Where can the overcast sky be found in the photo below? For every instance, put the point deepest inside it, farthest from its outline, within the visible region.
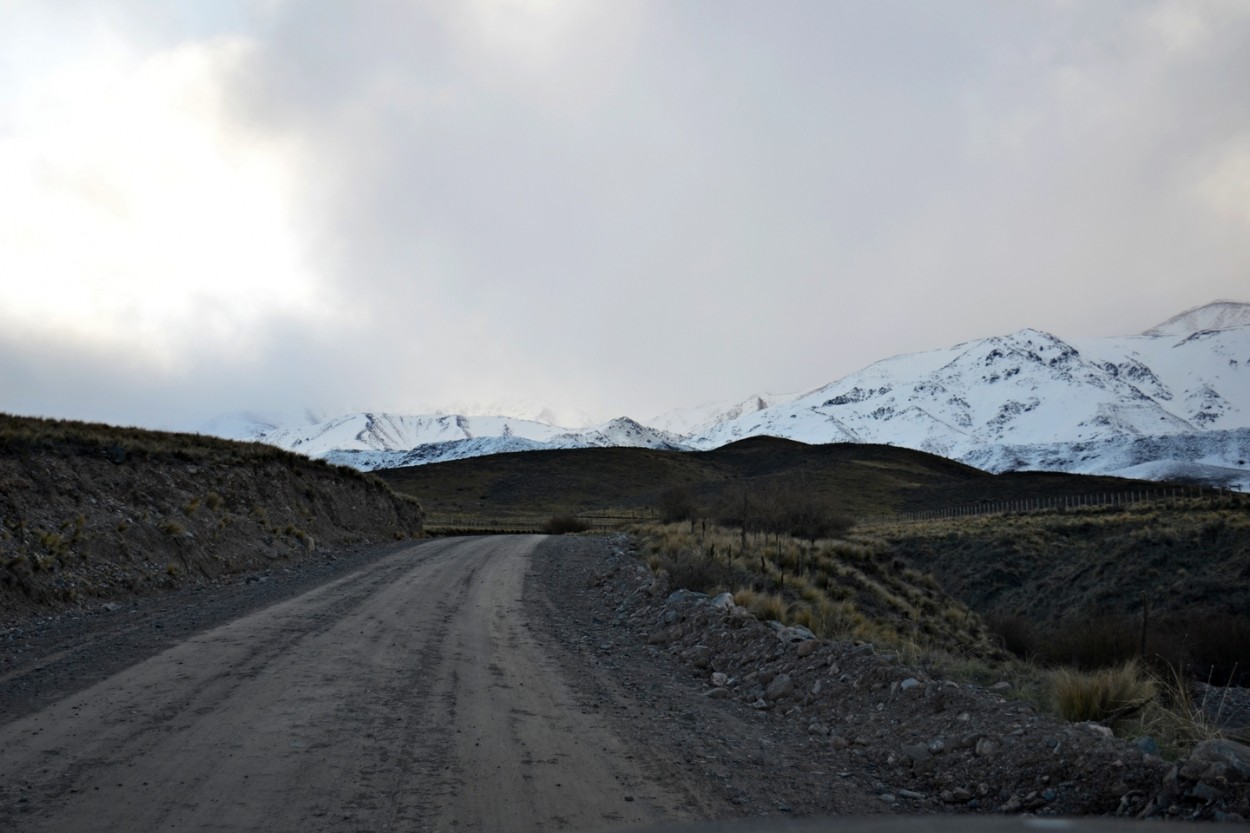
(612, 207)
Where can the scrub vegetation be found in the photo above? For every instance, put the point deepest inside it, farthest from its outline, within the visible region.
(1113, 615)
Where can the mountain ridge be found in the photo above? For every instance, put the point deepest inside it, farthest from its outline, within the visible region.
(1026, 399)
(1217, 315)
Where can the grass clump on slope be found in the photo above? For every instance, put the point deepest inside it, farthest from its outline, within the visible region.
(1104, 696)
(838, 588)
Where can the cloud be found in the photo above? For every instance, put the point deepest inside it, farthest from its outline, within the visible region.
(1100, 171)
(617, 207)
(136, 215)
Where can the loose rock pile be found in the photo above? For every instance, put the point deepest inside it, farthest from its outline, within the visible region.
(932, 744)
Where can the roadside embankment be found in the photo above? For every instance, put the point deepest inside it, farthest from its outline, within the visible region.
(92, 513)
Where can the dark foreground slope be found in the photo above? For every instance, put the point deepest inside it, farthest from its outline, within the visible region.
(1167, 580)
(94, 512)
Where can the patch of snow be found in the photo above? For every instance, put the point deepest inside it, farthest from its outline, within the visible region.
(701, 418)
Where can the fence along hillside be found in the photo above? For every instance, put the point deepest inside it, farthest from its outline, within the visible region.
(1165, 496)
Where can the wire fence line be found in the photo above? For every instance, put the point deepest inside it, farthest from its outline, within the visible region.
(1164, 496)
(1170, 496)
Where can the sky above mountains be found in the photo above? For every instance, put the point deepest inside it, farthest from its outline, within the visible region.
(618, 208)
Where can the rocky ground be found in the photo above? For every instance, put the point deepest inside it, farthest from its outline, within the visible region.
(789, 724)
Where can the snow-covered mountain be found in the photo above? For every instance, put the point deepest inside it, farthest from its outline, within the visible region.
(369, 441)
(386, 432)
(1032, 400)
(1170, 403)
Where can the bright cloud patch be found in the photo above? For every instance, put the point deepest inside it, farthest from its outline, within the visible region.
(133, 213)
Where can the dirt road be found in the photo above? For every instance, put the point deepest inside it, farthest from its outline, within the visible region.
(502, 684)
(411, 694)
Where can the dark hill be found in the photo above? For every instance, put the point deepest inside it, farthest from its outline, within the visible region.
(855, 479)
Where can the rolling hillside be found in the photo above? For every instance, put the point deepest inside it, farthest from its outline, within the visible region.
(855, 479)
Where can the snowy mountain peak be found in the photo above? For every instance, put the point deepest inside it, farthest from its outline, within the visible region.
(1218, 315)
(1026, 346)
(623, 432)
(688, 421)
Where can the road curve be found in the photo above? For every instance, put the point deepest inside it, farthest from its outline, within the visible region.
(411, 694)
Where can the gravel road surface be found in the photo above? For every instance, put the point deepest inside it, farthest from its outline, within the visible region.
(409, 694)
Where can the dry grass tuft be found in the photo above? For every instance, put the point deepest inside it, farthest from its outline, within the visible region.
(1175, 718)
(763, 606)
(1104, 696)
